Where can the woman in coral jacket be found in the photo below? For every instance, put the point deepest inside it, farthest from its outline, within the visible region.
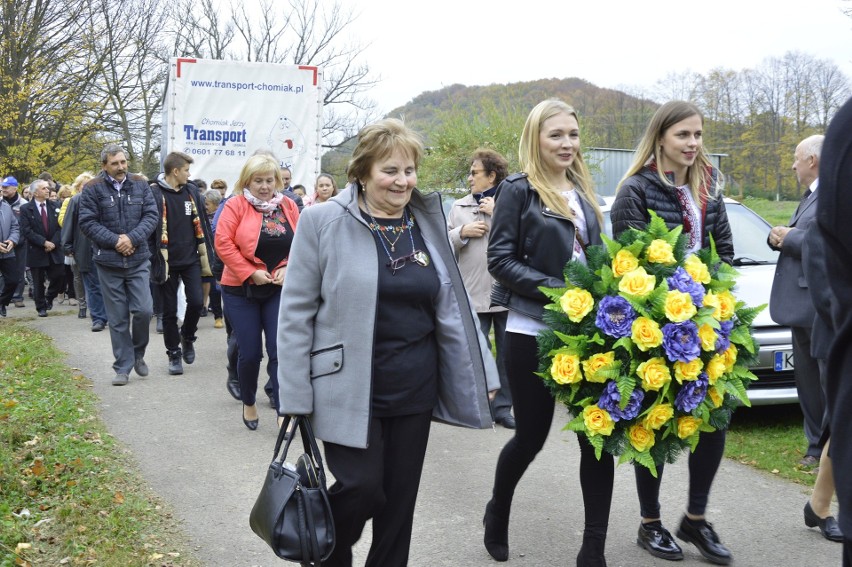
(253, 238)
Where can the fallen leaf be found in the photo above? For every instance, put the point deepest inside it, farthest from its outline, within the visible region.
(118, 498)
(156, 556)
(32, 442)
(21, 547)
(775, 471)
(38, 468)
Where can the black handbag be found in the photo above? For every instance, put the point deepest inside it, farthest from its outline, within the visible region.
(292, 513)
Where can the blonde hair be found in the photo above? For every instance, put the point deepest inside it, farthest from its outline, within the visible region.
(261, 163)
(529, 156)
(378, 141)
(649, 151)
(81, 180)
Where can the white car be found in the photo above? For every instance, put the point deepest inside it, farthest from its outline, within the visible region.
(755, 262)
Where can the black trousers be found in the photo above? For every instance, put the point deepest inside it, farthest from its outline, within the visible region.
(534, 408)
(379, 482)
(9, 271)
(703, 464)
(52, 275)
(191, 278)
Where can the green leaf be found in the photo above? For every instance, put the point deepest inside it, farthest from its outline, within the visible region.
(734, 386)
(644, 458)
(553, 293)
(626, 385)
(612, 246)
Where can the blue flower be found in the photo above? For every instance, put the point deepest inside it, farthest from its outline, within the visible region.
(682, 281)
(692, 393)
(610, 401)
(681, 342)
(615, 316)
(723, 336)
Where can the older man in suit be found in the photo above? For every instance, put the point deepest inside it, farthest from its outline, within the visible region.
(790, 303)
(40, 228)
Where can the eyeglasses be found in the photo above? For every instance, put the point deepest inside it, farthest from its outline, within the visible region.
(473, 172)
(419, 257)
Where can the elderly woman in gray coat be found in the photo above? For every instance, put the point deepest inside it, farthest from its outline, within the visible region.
(10, 235)
(380, 339)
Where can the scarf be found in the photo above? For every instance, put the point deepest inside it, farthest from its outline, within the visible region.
(264, 207)
(199, 237)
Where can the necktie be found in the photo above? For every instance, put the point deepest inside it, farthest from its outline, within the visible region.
(44, 218)
(805, 195)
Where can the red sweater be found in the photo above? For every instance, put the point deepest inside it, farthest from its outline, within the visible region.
(237, 232)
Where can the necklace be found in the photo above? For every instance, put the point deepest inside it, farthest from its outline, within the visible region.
(419, 257)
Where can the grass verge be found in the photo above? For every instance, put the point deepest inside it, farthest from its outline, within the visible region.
(770, 438)
(776, 213)
(69, 493)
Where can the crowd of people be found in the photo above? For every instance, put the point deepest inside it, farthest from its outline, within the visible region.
(386, 309)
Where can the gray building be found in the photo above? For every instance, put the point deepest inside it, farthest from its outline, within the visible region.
(609, 165)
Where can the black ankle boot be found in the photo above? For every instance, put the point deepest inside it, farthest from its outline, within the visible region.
(175, 366)
(188, 350)
(496, 533)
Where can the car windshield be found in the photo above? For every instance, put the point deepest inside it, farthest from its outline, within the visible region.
(749, 232)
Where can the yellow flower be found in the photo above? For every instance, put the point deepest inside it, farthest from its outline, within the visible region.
(654, 374)
(659, 416)
(598, 421)
(715, 368)
(697, 269)
(687, 371)
(624, 262)
(565, 368)
(715, 397)
(727, 305)
(637, 282)
(687, 426)
(576, 303)
(708, 337)
(712, 300)
(646, 333)
(641, 438)
(595, 364)
(679, 306)
(730, 357)
(660, 252)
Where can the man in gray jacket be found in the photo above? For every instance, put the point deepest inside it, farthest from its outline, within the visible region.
(118, 214)
(10, 234)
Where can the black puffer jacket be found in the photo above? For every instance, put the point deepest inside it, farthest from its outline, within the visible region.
(529, 246)
(645, 191)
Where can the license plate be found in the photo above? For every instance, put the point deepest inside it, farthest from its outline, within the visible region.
(783, 360)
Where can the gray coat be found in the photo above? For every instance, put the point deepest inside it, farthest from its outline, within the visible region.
(326, 324)
(790, 302)
(9, 229)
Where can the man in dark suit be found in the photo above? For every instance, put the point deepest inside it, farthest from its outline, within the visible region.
(790, 303)
(40, 228)
(835, 210)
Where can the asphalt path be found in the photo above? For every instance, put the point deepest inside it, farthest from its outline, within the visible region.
(188, 440)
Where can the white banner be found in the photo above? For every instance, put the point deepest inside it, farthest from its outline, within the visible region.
(221, 112)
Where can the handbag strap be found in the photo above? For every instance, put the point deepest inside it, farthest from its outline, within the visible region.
(302, 423)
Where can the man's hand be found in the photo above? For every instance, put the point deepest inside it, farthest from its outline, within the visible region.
(777, 234)
(124, 245)
(49, 246)
(6, 247)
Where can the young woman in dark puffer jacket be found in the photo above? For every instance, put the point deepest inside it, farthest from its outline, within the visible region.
(671, 175)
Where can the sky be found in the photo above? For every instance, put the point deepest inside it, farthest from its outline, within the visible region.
(417, 46)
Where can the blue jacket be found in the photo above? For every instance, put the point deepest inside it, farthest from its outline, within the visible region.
(105, 214)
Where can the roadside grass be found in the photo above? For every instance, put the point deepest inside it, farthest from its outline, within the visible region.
(771, 439)
(69, 492)
(776, 213)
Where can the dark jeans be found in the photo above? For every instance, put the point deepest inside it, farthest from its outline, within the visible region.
(534, 408)
(379, 482)
(21, 267)
(703, 464)
(254, 322)
(9, 271)
(502, 404)
(191, 277)
(54, 277)
(94, 299)
(214, 297)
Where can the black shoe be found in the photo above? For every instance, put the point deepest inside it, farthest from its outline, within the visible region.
(250, 423)
(507, 421)
(702, 535)
(271, 400)
(175, 367)
(2, 310)
(591, 553)
(828, 525)
(160, 324)
(42, 313)
(203, 312)
(658, 541)
(233, 385)
(188, 350)
(98, 326)
(49, 305)
(81, 314)
(496, 534)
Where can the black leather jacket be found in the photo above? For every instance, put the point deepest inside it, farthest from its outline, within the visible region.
(529, 246)
(645, 191)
